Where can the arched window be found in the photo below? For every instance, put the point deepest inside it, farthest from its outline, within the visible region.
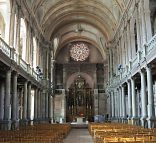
(22, 50)
(135, 34)
(154, 24)
(34, 53)
(56, 43)
(4, 19)
(2, 26)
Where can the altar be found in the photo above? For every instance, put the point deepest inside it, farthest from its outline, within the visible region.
(80, 120)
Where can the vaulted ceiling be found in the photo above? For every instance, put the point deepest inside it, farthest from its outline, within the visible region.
(93, 21)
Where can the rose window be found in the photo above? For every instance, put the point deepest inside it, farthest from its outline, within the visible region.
(79, 52)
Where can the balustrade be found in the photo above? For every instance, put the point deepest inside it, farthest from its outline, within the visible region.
(11, 53)
(141, 55)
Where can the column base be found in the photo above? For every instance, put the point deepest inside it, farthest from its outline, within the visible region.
(5, 125)
(23, 122)
(129, 120)
(151, 122)
(120, 120)
(124, 120)
(144, 122)
(15, 125)
(135, 121)
(51, 121)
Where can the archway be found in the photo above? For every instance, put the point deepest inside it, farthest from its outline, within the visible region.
(79, 101)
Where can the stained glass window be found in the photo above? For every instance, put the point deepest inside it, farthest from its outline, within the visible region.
(79, 52)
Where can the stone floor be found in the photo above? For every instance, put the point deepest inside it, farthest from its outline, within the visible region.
(78, 136)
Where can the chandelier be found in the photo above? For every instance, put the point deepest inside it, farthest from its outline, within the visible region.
(79, 52)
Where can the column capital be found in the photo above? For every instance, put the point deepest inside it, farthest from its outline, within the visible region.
(148, 66)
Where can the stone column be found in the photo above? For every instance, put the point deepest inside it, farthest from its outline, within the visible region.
(2, 94)
(132, 38)
(38, 104)
(150, 97)
(27, 42)
(133, 100)
(12, 23)
(123, 103)
(14, 98)
(46, 106)
(35, 103)
(143, 98)
(129, 41)
(110, 62)
(115, 103)
(121, 109)
(7, 107)
(147, 19)
(41, 104)
(50, 108)
(118, 101)
(129, 100)
(52, 94)
(64, 77)
(25, 101)
(29, 102)
(18, 24)
(138, 28)
(113, 108)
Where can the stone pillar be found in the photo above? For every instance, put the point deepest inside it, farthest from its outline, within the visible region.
(12, 23)
(133, 100)
(138, 28)
(143, 99)
(113, 108)
(52, 94)
(38, 104)
(35, 103)
(129, 100)
(27, 42)
(129, 41)
(29, 102)
(25, 101)
(40, 95)
(18, 24)
(7, 104)
(132, 38)
(63, 106)
(96, 102)
(64, 77)
(118, 100)
(7, 107)
(123, 103)
(150, 97)
(121, 109)
(2, 94)
(50, 110)
(46, 106)
(147, 19)
(43, 104)
(14, 98)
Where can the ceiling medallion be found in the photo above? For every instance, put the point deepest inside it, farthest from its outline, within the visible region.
(79, 52)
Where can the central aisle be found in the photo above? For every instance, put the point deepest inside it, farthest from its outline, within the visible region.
(78, 136)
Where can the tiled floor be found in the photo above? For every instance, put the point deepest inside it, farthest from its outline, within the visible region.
(78, 136)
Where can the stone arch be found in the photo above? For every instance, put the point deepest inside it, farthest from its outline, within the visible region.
(87, 77)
